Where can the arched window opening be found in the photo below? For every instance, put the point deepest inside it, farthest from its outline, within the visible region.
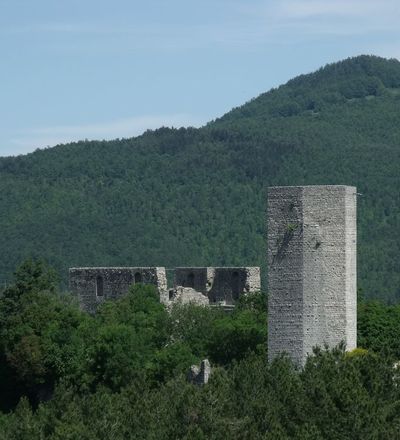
(138, 277)
(99, 286)
(191, 280)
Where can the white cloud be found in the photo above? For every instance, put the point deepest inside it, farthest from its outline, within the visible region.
(248, 24)
(298, 18)
(314, 8)
(122, 128)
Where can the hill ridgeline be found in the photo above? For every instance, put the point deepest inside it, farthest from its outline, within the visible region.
(180, 197)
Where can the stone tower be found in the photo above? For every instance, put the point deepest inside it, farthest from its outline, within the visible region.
(311, 269)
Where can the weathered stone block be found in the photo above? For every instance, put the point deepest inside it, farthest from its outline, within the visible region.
(186, 295)
(200, 375)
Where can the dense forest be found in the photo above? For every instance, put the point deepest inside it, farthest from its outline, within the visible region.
(178, 197)
(122, 374)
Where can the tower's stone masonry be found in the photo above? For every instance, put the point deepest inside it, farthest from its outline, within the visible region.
(311, 269)
(93, 285)
(222, 285)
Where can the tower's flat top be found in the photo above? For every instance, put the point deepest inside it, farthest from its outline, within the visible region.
(114, 268)
(317, 187)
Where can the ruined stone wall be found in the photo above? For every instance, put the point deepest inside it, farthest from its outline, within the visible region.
(93, 285)
(220, 284)
(229, 283)
(216, 285)
(193, 277)
(312, 269)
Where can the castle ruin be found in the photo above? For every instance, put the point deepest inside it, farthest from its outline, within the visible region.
(200, 285)
(312, 296)
(311, 269)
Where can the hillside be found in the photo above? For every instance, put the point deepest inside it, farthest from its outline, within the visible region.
(178, 197)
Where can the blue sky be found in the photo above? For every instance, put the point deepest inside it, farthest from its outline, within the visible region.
(95, 69)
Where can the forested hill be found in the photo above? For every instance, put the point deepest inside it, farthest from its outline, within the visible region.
(177, 197)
